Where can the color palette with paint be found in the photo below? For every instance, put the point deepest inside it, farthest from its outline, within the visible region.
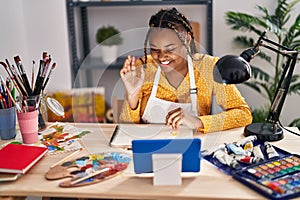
(89, 169)
(277, 178)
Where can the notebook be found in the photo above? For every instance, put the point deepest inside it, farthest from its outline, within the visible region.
(125, 133)
(17, 158)
(9, 176)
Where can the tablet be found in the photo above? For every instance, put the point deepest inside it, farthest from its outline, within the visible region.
(189, 148)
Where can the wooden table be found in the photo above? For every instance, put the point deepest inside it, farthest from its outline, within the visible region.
(209, 183)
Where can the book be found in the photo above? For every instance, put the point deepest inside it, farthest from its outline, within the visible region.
(17, 158)
(125, 133)
(9, 176)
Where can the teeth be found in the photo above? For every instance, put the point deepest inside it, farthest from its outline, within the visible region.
(165, 62)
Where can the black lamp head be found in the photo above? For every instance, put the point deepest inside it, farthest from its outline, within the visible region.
(232, 69)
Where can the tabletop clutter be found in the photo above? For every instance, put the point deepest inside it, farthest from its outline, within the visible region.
(26, 95)
(260, 165)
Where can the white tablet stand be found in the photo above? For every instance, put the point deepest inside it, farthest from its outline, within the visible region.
(167, 169)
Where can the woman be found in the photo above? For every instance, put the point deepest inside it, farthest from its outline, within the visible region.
(174, 84)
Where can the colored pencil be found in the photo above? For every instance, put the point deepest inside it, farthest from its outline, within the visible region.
(10, 96)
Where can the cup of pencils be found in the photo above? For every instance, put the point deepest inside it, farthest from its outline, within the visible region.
(7, 122)
(31, 93)
(7, 109)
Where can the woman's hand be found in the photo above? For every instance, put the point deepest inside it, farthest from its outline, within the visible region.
(132, 80)
(179, 116)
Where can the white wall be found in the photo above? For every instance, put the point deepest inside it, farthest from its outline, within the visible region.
(30, 27)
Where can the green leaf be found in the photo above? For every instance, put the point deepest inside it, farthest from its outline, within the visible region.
(260, 114)
(252, 85)
(244, 22)
(292, 34)
(260, 74)
(294, 89)
(244, 41)
(275, 21)
(295, 123)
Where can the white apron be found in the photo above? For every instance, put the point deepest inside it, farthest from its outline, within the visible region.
(157, 109)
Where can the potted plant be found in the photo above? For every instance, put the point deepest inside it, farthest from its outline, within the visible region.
(109, 38)
(275, 22)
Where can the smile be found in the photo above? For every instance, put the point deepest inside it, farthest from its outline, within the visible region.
(165, 62)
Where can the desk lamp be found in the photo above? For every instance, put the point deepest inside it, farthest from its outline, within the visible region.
(232, 69)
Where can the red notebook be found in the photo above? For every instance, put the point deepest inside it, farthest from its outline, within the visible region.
(17, 158)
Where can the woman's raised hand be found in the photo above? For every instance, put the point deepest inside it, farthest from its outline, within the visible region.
(132, 79)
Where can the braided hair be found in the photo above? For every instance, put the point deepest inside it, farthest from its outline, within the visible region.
(174, 20)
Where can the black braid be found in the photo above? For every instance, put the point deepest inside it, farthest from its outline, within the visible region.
(174, 20)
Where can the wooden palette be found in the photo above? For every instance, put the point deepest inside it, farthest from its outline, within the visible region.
(89, 169)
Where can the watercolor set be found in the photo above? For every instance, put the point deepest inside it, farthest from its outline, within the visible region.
(278, 178)
(90, 169)
(267, 169)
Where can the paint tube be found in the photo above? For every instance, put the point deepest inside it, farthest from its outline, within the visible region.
(251, 138)
(237, 150)
(271, 152)
(226, 159)
(210, 152)
(248, 159)
(248, 148)
(219, 155)
(257, 152)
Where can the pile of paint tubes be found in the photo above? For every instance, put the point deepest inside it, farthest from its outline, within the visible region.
(243, 151)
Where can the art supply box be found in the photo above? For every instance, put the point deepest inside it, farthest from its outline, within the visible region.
(275, 178)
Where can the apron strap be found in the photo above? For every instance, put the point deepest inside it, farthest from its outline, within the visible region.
(193, 89)
(155, 83)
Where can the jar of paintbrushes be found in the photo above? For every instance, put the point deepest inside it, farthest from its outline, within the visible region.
(30, 105)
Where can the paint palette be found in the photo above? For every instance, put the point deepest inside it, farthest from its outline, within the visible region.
(89, 169)
(277, 178)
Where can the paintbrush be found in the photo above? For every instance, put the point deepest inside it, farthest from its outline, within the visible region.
(90, 175)
(39, 79)
(12, 77)
(17, 78)
(23, 74)
(49, 75)
(66, 158)
(32, 75)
